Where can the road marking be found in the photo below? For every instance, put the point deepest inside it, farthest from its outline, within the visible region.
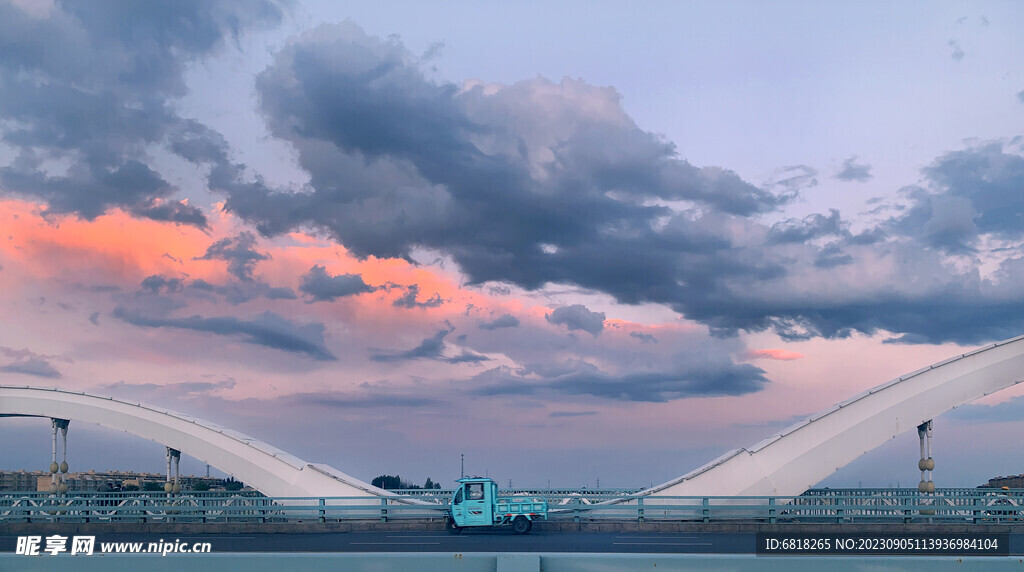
(395, 543)
(417, 536)
(663, 543)
(658, 537)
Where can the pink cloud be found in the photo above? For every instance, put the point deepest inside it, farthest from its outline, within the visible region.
(781, 355)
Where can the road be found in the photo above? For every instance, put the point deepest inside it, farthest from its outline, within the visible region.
(468, 541)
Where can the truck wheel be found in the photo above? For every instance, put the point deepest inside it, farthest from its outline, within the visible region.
(452, 527)
(521, 525)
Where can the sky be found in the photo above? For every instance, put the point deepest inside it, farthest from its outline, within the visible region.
(582, 244)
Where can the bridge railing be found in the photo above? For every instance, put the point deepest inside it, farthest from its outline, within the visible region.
(897, 505)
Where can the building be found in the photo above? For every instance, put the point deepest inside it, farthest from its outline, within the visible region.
(33, 481)
(1013, 482)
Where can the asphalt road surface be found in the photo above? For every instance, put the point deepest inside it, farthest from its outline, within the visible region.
(468, 541)
(491, 541)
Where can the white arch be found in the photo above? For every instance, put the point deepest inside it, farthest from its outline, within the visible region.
(261, 466)
(800, 456)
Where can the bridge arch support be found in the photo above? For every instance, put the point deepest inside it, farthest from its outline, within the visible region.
(261, 466)
(800, 456)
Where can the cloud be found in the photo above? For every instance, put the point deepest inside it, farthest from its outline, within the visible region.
(1011, 410)
(150, 391)
(94, 318)
(502, 321)
(155, 283)
(241, 292)
(853, 171)
(583, 378)
(29, 363)
(268, 330)
(408, 300)
(990, 178)
(811, 227)
(577, 317)
(1020, 96)
(421, 164)
(790, 180)
(91, 86)
(321, 286)
(572, 413)
(239, 253)
(775, 354)
(430, 348)
(338, 400)
(957, 54)
(644, 338)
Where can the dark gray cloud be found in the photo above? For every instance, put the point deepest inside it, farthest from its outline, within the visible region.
(357, 401)
(27, 362)
(1020, 96)
(239, 252)
(853, 171)
(94, 318)
(811, 227)
(644, 338)
(91, 85)
(154, 284)
(569, 192)
(583, 378)
(268, 330)
(990, 178)
(572, 413)
(150, 391)
(957, 54)
(566, 193)
(1011, 410)
(502, 321)
(397, 161)
(430, 348)
(241, 292)
(791, 180)
(321, 286)
(408, 300)
(578, 317)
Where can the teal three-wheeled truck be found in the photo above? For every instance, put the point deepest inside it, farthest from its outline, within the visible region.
(476, 503)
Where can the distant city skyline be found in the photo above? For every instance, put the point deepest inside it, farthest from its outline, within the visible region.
(572, 241)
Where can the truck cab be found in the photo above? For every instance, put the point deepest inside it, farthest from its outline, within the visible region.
(476, 503)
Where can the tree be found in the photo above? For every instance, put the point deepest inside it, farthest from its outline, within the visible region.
(391, 483)
(430, 484)
(200, 486)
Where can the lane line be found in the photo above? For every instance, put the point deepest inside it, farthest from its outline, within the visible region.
(662, 543)
(657, 537)
(397, 543)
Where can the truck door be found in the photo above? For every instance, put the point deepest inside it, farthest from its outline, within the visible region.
(459, 508)
(478, 507)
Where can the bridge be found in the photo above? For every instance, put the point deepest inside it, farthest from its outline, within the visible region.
(783, 465)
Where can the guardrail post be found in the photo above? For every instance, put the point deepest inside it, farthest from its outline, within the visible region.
(771, 510)
(975, 513)
(706, 510)
(383, 510)
(576, 511)
(640, 509)
(323, 511)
